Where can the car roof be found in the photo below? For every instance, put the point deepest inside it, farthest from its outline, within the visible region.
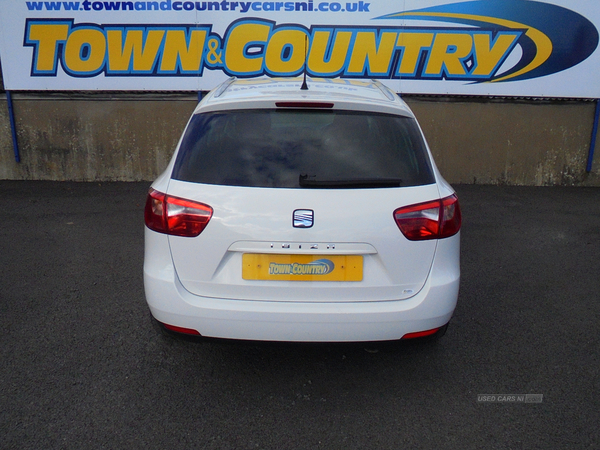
(356, 95)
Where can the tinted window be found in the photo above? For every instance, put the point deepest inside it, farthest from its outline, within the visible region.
(303, 148)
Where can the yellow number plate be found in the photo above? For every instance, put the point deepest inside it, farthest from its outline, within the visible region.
(302, 267)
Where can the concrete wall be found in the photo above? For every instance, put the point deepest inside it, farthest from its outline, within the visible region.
(97, 138)
(510, 141)
(92, 140)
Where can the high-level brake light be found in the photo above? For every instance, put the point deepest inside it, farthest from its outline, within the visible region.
(312, 105)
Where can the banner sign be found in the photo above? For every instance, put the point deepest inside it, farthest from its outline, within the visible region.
(481, 47)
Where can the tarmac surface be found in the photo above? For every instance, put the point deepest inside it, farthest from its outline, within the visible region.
(82, 367)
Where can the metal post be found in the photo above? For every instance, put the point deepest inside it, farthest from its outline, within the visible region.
(13, 128)
(594, 136)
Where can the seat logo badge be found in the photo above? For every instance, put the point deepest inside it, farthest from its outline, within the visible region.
(303, 218)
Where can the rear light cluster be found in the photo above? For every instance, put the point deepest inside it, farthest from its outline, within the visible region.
(175, 216)
(436, 219)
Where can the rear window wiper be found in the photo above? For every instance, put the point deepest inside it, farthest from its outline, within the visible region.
(311, 181)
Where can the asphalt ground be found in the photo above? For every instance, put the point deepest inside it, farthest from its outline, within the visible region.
(82, 367)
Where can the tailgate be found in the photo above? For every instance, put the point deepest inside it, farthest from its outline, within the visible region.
(352, 251)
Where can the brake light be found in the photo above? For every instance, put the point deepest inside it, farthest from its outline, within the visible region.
(175, 216)
(313, 105)
(436, 219)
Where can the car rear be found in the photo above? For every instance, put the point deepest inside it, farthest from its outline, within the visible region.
(302, 216)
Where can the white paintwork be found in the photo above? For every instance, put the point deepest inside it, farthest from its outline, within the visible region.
(196, 282)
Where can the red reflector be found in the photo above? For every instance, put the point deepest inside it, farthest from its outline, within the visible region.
(419, 334)
(313, 105)
(181, 329)
(175, 216)
(436, 219)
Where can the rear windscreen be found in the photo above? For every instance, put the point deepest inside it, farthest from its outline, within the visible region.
(303, 149)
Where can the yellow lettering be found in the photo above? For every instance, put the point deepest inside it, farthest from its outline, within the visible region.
(176, 47)
(413, 44)
(236, 58)
(134, 54)
(292, 41)
(488, 57)
(447, 52)
(366, 53)
(47, 37)
(337, 58)
(85, 50)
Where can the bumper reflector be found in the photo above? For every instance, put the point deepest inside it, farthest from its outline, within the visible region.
(419, 334)
(181, 329)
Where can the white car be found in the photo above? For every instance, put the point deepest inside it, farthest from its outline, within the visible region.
(307, 215)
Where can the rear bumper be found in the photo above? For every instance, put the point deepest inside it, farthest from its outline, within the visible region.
(432, 307)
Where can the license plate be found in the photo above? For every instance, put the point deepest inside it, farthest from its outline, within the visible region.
(302, 267)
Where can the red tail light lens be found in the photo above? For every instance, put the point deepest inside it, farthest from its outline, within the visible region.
(175, 216)
(436, 219)
(451, 217)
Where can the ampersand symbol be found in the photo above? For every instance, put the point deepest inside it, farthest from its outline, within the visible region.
(213, 56)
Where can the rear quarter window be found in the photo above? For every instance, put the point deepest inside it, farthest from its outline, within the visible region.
(280, 148)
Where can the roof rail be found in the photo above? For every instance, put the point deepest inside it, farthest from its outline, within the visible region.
(385, 90)
(224, 87)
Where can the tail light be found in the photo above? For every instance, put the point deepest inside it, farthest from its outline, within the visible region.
(436, 219)
(175, 216)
